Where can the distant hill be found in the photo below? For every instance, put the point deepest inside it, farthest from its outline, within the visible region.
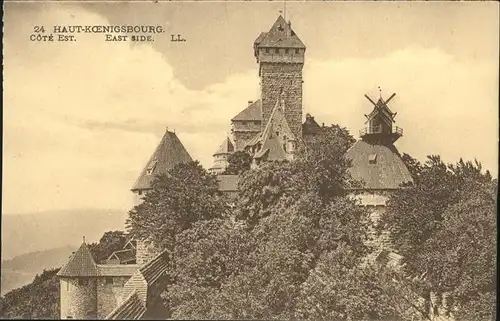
(25, 233)
(22, 269)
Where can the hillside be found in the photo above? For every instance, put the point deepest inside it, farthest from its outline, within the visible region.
(22, 269)
(25, 233)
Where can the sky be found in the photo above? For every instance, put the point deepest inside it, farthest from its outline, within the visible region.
(81, 119)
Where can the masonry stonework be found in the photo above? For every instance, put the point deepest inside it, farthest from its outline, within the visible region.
(108, 294)
(278, 78)
(145, 252)
(78, 301)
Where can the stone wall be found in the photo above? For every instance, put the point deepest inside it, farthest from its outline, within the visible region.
(276, 77)
(108, 295)
(240, 138)
(145, 252)
(78, 301)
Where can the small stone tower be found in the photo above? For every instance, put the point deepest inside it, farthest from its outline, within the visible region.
(280, 54)
(78, 285)
(221, 156)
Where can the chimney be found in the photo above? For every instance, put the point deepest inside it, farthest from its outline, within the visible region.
(323, 125)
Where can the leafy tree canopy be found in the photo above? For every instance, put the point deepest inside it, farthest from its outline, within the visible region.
(445, 228)
(239, 162)
(178, 199)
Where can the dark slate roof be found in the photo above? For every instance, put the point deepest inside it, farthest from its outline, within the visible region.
(155, 268)
(280, 35)
(228, 183)
(80, 264)
(123, 255)
(226, 147)
(167, 155)
(143, 279)
(386, 170)
(310, 126)
(251, 113)
(132, 308)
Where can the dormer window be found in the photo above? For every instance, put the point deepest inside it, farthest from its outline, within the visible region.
(372, 158)
(151, 167)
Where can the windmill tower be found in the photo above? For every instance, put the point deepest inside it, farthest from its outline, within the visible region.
(380, 123)
(377, 164)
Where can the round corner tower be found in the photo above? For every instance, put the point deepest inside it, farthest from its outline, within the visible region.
(78, 286)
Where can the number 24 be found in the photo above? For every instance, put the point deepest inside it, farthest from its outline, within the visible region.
(39, 29)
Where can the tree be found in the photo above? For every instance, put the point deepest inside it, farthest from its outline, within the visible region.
(444, 226)
(187, 194)
(37, 300)
(239, 162)
(110, 242)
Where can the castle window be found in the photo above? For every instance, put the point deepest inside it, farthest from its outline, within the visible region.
(83, 281)
(297, 51)
(151, 167)
(139, 192)
(109, 280)
(372, 159)
(276, 50)
(67, 285)
(267, 50)
(69, 317)
(287, 50)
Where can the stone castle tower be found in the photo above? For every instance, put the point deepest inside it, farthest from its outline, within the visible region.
(280, 54)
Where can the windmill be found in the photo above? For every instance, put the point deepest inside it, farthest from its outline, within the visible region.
(380, 120)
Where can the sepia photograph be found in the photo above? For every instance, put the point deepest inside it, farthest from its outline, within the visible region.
(250, 160)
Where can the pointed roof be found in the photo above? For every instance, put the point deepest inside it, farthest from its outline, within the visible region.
(226, 147)
(379, 166)
(167, 155)
(80, 264)
(310, 126)
(252, 112)
(280, 35)
(273, 135)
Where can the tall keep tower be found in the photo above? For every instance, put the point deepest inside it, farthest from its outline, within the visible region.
(280, 54)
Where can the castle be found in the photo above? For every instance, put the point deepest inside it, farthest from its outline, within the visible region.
(269, 129)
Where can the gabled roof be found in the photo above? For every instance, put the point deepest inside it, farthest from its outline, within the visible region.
(252, 113)
(310, 126)
(272, 143)
(124, 256)
(132, 308)
(226, 147)
(280, 35)
(80, 264)
(167, 155)
(378, 166)
(141, 282)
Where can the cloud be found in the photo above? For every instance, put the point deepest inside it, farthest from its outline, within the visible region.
(82, 118)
